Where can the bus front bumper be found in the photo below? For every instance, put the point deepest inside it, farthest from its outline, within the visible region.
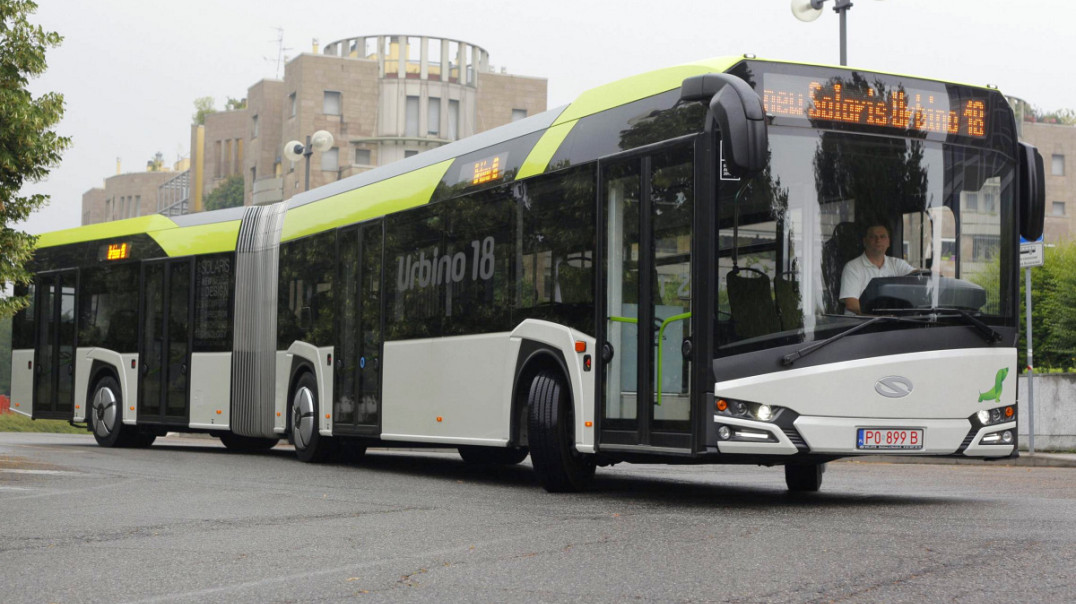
(845, 436)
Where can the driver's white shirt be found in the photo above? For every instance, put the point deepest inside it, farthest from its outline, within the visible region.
(860, 270)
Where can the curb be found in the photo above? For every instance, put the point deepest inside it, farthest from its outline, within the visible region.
(1038, 460)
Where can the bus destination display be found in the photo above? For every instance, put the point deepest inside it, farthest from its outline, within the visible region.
(115, 251)
(484, 170)
(820, 100)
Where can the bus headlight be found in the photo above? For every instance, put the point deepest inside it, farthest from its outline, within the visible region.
(997, 415)
(747, 410)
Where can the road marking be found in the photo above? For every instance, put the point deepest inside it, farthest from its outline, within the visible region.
(41, 472)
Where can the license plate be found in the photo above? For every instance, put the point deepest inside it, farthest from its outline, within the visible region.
(900, 439)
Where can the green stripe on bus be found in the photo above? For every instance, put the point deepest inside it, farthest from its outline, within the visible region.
(641, 86)
(538, 159)
(201, 239)
(375, 199)
(106, 230)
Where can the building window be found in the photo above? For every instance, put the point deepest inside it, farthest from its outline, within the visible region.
(948, 248)
(971, 201)
(330, 160)
(433, 116)
(138, 205)
(254, 123)
(1059, 208)
(410, 153)
(518, 114)
(362, 157)
(453, 120)
(984, 247)
(291, 103)
(331, 103)
(1058, 165)
(411, 113)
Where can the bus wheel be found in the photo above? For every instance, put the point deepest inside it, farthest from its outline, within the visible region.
(492, 456)
(237, 442)
(804, 478)
(138, 440)
(559, 467)
(106, 413)
(310, 446)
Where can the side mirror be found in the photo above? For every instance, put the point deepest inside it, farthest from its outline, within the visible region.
(1032, 193)
(740, 116)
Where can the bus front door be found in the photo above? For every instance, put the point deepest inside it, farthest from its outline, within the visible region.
(647, 215)
(54, 355)
(165, 343)
(357, 367)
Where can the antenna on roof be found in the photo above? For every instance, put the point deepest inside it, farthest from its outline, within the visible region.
(280, 50)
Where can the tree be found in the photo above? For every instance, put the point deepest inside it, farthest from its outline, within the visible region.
(28, 145)
(235, 104)
(203, 106)
(1053, 310)
(228, 195)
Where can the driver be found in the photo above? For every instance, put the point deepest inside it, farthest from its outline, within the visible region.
(872, 263)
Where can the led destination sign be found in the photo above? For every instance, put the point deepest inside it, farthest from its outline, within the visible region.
(819, 100)
(484, 170)
(114, 251)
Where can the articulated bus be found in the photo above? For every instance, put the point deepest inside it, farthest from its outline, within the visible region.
(649, 274)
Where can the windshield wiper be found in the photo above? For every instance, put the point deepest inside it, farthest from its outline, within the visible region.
(932, 315)
(792, 357)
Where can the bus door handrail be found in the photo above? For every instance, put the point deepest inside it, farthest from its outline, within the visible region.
(661, 337)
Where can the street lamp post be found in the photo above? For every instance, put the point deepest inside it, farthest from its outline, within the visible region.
(809, 10)
(322, 140)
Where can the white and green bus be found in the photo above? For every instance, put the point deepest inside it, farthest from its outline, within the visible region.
(649, 274)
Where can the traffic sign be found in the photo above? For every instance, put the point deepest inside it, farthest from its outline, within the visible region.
(1032, 254)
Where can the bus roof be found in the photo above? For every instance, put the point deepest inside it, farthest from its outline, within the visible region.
(403, 184)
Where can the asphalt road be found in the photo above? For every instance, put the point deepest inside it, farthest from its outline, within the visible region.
(187, 521)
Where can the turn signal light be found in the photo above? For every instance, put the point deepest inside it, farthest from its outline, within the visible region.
(580, 346)
(722, 404)
(1009, 411)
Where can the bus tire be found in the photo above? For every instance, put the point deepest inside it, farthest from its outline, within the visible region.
(138, 440)
(310, 445)
(804, 478)
(558, 466)
(238, 442)
(492, 456)
(106, 413)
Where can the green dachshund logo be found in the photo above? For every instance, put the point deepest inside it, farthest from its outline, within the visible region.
(995, 394)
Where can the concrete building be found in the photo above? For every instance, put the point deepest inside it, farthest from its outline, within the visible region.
(382, 97)
(1057, 144)
(124, 196)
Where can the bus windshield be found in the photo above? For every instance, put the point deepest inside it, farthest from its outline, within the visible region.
(785, 236)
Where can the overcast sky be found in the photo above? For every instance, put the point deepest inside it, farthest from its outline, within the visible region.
(130, 69)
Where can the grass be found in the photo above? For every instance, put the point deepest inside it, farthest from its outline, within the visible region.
(13, 422)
